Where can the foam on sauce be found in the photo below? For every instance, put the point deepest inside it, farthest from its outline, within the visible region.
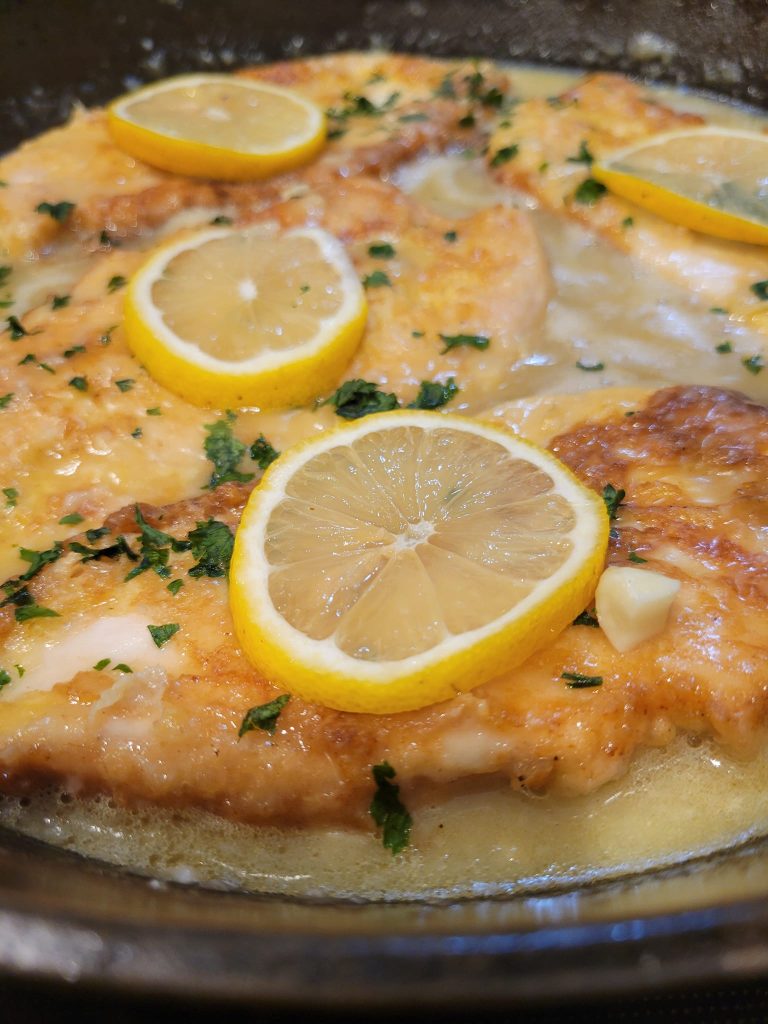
(478, 838)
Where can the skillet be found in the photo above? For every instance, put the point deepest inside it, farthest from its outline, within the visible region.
(63, 918)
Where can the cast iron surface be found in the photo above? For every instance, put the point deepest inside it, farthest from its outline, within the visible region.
(65, 919)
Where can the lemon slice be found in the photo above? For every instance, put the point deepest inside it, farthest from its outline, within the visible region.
(217, 126)
(408, 556)
(228, 317)
(713, 180)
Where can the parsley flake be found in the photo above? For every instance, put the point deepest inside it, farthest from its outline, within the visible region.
(75, 350)
(586, 618)
(724, 346)
(451, 236)
(628, 222)
(432, 394)
(71, 520)
(221, 220)
(416, 116)
(479, 341)
(378, 279)
(137, 432)
(60, 301)
(125, 385)
(719, 310)
(59, 211)
(613, 497)
(101, 664)
(634, 557)
(162, 634)
(106, 337)
(356, 398)
(590, 367)
(155, 411)
(388, 811)
(122, 667)
(175, 586)
(262, 452)
(504, 155)
(753, 364)
(17, 330)
(5, 399)
(589, 191)
(116, 282)
(79, 383)
(224, 450)
(583, 156)
(467, 121)
(381, 250)
(264, 716)
(5, 273)
(578, 681)
(211, 544)
(11, 497)
(4, 678)
(26, 612)
(760, 289)
(155, 547)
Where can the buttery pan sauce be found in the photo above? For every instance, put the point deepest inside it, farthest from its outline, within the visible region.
(480, 838)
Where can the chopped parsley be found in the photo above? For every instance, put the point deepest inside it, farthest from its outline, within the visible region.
(492, 97)
(753, 364)
(116, 282)
(126, 384)
(356, 398)
(221, 220)
(225, 451)
(17, 330)
(60, 301)
(137, 432)
(578, 681)
(25, 612)
(122, 667)
(381, 250)
(467, 121)
(211, 544)
(262, 452)
(417, 334)
(451, 236)
(634, 557)
(59, 211)
(79, 383)
(5, 273)
(464, 340)
(264, 716)
(162, 634)
(5, 399)
(504, 155)
(719, 310)
(106, 337)
(628, 222)
(388, 811)
(104, 238)
(11, 497)
(583, 156)
(155, 548)
(416, 116)
(760, 289)
(175, 586)
(586, 618)
(4, 678)
(724, 346)
(71, 520)
(447, 89)
(101, 664)
(432, 394)
(155, 411)
(20, 669)
(589, 191)
(378, 279)
(361, 106)
(613, 497)
(91, 554)
(75, 350)
(590, 367)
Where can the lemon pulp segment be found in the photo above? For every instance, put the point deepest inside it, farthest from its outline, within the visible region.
(404, 558)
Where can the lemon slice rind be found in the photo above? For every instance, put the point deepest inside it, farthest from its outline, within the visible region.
(675, 206)
(271, 378)
(196, 157)
(319, 671)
